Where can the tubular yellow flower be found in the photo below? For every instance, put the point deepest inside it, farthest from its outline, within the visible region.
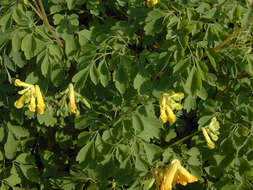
(210, 143)
(18, 82)
(170, 115)
(152, 2)
(40, 102)
(169, 175)
(185, 177)
(163, 116)
(20, 102)
(32, 105)
(72, 103)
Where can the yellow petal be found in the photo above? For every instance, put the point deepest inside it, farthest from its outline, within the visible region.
(169, 175)
(20, 102)
(170, 115)
(72, 103)
(163, 116)
(185, 177)
(32, 104)
(40, 102)
(18, 82)
(210, 143)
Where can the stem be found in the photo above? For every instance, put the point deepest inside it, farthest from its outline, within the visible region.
(184, 138)
(219, 47)
(45, 21)
(36, 11)
(242, 75)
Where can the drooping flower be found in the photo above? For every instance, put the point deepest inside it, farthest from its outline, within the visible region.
(72, 103)
(152, 2)
(20, 102)
(32, 105)
(211, 132)
(40, 102)
(169, 102)
(173, 173)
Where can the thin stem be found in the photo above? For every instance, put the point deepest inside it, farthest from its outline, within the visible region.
(45, 21)
(36, 11)
(184, 138)
(219, 47)
(242, 75)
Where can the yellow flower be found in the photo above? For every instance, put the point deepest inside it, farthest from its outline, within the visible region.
(170, 115)
(152, 2)
(18, 82)
(72, 103)
(32, 104)
(211, 132)
(169, 102)
(210, 143)
(20, 102)
(40, 102)
(174, 173)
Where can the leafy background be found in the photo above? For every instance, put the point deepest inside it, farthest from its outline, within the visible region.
(121, 56)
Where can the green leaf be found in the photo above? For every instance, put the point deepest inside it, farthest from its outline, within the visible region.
(137, 123)
(182, 65)
(9, 64)
(71, 4)
(104, 73)
(47, 118)
(249, 58)
(10, 146)
(2, 134)
(45, 66)
(31, 172)
(28, 46)
(80, 78)
(18, 131)
(194, 82)
(83, 121)
(84, 37)
(19, 59)
(94, 74)
(16, 42)
(121, 79)
(5, 21)
(13, 180)
(153, 152)
(71, 45)
(212, 60)
(84, 152)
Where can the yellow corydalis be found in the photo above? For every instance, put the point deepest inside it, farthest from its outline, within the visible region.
(72, 102)
(169, 102)
(211, 132)
(40, 102)
(152, 2)
(173, 173)
(29, 93)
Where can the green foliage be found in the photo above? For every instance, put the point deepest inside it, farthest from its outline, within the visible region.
(121, 56)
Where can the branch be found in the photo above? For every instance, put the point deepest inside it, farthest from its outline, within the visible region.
(242, 75)
(42, 14)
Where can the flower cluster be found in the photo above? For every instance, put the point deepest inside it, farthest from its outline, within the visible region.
(29, 93)
(169, 102)
(211, 132)
(173, 173)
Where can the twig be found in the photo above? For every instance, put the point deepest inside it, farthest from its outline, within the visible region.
(242, 75)
(230, 37)
(40, 11)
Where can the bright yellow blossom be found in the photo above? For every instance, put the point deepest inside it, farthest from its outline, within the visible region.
(40, 102)
(174, 173)
(152, 2)
(18, 82)
(72, 103)
(20, 102)
(211, 132)
(169, 102)
(32, 104)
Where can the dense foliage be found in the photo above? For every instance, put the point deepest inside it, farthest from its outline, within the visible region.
(122, 56)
